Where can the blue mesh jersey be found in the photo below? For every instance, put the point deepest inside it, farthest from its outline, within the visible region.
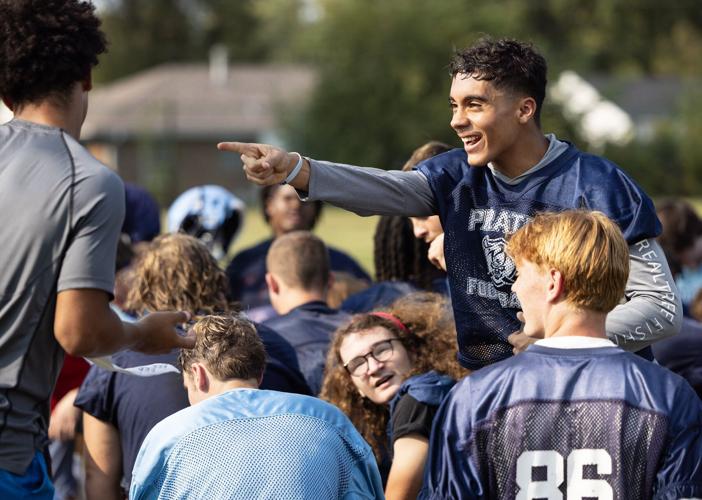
(567, 423)
(250, 444)
(477, 210)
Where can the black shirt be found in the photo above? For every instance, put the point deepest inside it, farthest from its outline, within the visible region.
(412, 417)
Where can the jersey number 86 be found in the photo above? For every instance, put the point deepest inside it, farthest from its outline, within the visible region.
(577, 486)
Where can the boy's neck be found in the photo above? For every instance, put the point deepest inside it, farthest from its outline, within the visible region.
(524, 154)
(49, 111)
(568, 321)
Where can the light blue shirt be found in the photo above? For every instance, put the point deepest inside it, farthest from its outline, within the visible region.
(251, 444)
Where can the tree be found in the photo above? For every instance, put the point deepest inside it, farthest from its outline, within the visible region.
(142, 34)
(383, 80)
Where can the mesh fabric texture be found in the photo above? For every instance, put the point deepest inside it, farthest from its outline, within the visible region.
(282, 456)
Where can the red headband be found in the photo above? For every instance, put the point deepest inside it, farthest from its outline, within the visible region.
(394, 319)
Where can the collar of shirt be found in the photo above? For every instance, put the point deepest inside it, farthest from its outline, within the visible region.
(555, 148)
(574, 342)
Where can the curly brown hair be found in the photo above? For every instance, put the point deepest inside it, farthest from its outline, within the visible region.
(430, 341)
(177, 272)
(45, 47)
(229, 346)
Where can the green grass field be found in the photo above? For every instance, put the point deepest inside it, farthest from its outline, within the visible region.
(338, 228)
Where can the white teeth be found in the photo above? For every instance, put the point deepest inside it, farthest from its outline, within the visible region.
(471, 140)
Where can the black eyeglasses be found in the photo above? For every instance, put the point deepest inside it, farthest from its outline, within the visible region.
(381, 351)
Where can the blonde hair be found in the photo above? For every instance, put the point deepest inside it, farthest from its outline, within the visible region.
(177, 272)
(430, 341)
(586, 247)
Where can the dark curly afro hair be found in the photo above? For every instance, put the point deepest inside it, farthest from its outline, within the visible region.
(45, 47)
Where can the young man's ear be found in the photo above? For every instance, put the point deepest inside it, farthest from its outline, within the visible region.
(527, 109)
(556, 286)
(272, 284)
(330, 281)
(200, 378)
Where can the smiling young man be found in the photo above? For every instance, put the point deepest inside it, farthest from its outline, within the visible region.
(506, 173)
(574, 416)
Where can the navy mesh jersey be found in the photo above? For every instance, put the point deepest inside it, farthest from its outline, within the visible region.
(568, 423)
(477, 210)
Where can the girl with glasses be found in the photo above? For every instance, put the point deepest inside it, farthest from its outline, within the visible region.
(389, 371)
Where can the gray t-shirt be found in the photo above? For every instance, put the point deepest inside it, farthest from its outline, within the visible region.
(62, 211)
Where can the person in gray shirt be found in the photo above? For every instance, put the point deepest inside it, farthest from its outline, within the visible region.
(62, 213)
(507, 172)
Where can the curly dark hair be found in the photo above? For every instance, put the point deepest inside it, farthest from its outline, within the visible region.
(45, 47)
(399, 256)
(430, 340)
(508, 64)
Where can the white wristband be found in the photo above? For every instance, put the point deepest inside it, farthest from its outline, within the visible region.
(293, 173)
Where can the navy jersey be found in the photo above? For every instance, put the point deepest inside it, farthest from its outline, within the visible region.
(133, 405)
(682, 353)
(309, 329)
(568, 423)
(380, 294)
(477, 210)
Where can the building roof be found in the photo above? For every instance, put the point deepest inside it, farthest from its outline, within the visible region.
(184, 100)
(643, 98)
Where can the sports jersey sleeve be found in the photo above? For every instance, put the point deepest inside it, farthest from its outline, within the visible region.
(412, 417)
(364, 480)
(371, 191)
(97, 215)
(680, 473)
(653, 309)
(96, 395)
(451, 472)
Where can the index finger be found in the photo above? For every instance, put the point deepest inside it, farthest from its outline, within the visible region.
(244, 148)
